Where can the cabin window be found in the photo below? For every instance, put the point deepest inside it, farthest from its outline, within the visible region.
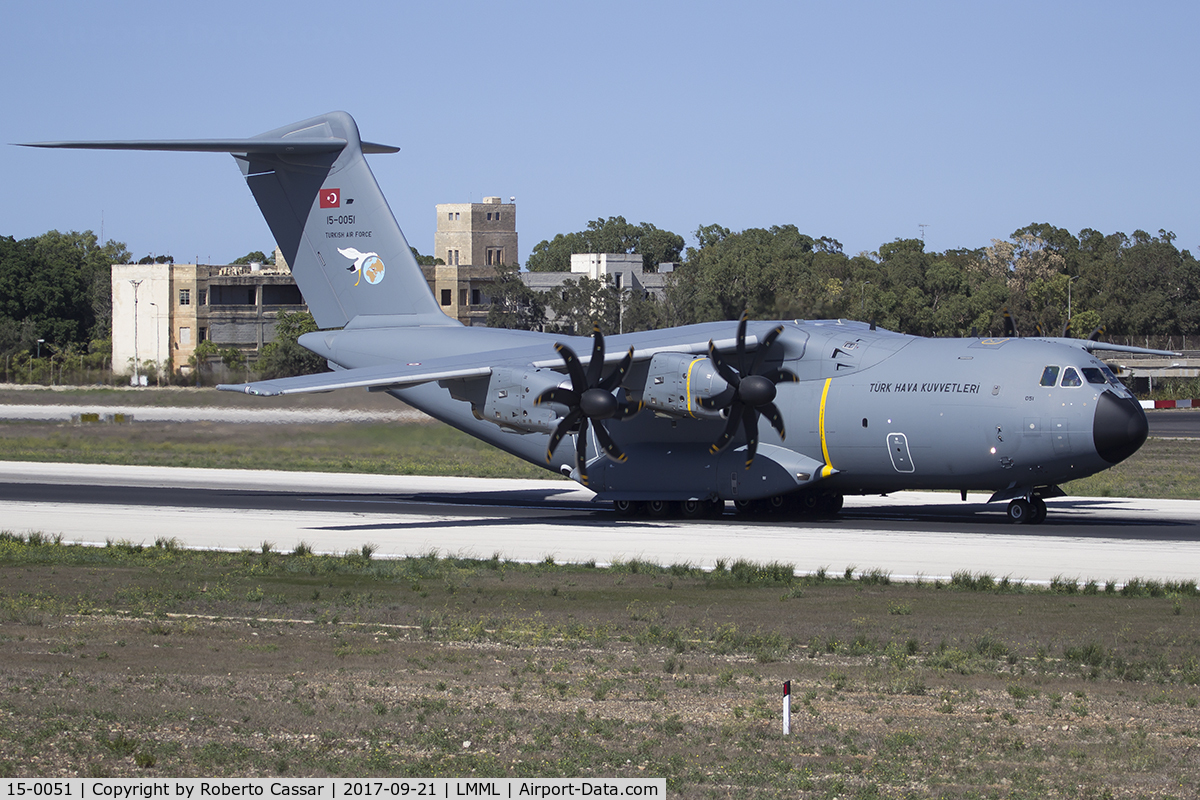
(1049, 376)
(1094, 375)
(1071, 377)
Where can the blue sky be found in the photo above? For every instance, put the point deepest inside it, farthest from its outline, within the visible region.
(855, 120)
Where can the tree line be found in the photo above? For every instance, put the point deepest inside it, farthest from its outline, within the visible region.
(57, 286)
(1131, 285)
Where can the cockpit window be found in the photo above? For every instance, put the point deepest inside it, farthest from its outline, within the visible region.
(1094, 375)
(1049, 376)
(1071, 377)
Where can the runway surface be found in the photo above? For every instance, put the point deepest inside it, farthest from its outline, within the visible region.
(906, 534)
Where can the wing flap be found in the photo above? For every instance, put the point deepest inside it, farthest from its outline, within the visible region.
(389, 376)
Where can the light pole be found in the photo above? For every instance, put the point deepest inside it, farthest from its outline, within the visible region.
(1069, 282)
(157, 350)
(137, 381)
(862, 297)
(39, 353)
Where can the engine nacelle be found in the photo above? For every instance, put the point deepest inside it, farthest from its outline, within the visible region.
(675, 380)
(506, 399)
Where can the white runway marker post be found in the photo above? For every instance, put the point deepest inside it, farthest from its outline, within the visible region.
(787, 707)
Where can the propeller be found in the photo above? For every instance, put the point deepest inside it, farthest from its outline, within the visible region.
(753, 392)
(1010, 326)
(590, 399)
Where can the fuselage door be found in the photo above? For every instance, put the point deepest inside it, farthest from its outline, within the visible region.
(898, 450)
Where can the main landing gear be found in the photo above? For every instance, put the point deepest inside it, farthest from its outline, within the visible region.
(1027, 512)
(792, 505)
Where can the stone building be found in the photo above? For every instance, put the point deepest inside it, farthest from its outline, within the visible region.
(162, 311)
(472, 239)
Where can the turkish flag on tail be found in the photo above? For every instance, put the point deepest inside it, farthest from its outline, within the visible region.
(331, 198)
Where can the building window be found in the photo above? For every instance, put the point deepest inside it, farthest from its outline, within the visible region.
(450, 216)
(462, 297)
(495, 256)
(456, 215)
(497, 216)
(185, 297)
(203, 297)
(203, 336)
(456, 258)
(489, 216)
(446, 297)
(185, 336)
(476, 297)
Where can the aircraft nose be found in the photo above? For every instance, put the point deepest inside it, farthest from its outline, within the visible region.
(1120, 427)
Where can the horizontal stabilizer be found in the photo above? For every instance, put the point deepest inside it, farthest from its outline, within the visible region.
(279, 146)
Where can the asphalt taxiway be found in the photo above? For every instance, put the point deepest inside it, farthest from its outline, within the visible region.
(907, 534)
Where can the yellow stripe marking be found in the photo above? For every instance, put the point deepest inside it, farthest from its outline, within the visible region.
(691, 366)
(826, 470)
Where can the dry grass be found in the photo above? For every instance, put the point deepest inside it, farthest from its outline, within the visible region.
(137, 662)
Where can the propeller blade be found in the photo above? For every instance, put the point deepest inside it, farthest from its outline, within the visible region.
(750, 425)
(741, 340)
(616, 376)
(724, 370)
(1096, 334)
(581, 452)
(563, 427)
(596, 365)
(574, 368)
(627, 410)
(607, 444)
(1066, 328)
(780, 375)
(731, 426)
(558, 394)
(1010, 327)
(764, 346)
(771, 412)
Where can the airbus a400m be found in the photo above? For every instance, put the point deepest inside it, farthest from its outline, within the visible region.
(791, 414)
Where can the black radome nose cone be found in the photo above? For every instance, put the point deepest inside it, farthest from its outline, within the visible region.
(1120, 427)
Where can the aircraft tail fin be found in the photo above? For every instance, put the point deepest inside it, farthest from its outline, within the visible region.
(328, 215)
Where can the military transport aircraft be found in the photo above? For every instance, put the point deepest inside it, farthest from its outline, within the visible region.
(670, 421)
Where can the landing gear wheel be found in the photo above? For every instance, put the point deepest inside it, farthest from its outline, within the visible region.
(1037, 511)
(627, 508)
(716, 508)
(777, 503)
(829, 505)
(1019, 511)
(807, 504)
(660, 509)
(694, 509)
(746, 506)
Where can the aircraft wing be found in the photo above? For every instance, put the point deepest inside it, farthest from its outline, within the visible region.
(400, 375)
(1092, 346)
(387, 376)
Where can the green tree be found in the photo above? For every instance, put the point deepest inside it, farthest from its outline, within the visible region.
(425, 261)
(283, 356)
(253, 256)
(515, 305)
(607, 235)
(581, 302)
(61, 282)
